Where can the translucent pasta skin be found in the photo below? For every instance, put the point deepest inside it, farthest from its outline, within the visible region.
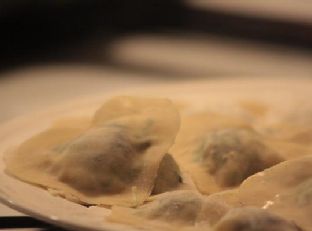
(220, 152)
(254, 219)
(112, 160)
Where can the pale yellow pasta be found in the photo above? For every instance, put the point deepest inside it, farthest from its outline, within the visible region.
(183, 209)
(254, 219)
(114, 160)
(220, 152)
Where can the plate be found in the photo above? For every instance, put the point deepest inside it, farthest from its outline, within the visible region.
(38, 203)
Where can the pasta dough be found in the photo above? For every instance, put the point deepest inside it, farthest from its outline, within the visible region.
(284, 189)
(126, 156)
(168, 177)
(254, 219)
(112, 161)
(181, 207)
(177, 209)
(290, 190)
(221, 152)
(188, 211)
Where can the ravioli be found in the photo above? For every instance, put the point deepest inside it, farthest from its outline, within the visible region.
(165, 212)
(286, 126)
(187, 210)
(289, 122)
(289, 193)
(221, 152)
(112, 161)
(181, 207)
(127, 155)
(254, 219)
(284, 190)
(212, 211)
(173, 210)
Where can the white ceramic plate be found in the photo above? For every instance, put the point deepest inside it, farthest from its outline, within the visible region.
(38, 203)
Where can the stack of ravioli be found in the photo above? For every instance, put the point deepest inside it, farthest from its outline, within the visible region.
(158, 167)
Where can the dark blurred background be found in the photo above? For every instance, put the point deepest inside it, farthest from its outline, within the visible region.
(54, 50)
(35, 31)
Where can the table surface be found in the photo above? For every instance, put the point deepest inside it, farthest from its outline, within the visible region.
(157, 60)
